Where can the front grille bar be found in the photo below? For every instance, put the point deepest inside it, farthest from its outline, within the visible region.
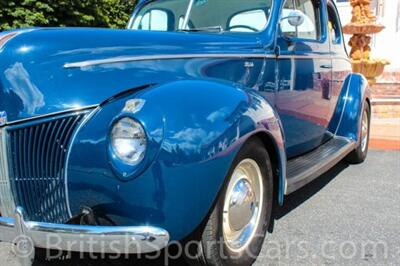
(38, 156)
(7, 203)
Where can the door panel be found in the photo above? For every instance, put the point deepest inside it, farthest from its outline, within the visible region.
(304, 101)
(341, 65)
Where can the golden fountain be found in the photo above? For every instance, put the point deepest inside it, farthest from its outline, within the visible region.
(362, 25)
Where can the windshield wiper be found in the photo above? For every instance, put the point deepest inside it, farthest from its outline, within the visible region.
(205, 29)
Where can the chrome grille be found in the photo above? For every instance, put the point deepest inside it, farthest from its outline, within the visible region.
(38, 156)
(7, 205)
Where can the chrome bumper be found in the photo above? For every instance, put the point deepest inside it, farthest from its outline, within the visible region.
(80, 238)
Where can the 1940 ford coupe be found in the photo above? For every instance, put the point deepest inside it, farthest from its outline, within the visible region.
(188, 126)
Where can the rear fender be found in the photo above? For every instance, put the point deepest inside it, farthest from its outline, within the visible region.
(347, 118)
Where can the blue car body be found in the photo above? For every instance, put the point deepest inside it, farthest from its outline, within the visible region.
(204, 95)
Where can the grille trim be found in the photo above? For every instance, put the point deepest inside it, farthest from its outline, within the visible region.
(7, 204)
(89, 115)
(34, 119)
(38, 153)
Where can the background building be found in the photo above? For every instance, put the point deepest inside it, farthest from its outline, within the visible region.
(386, 92)
(387, 43)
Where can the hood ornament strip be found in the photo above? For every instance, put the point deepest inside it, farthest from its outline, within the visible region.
(127, 59)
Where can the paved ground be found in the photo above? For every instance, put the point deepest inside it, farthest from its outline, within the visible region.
(349, 216)
(385, 133)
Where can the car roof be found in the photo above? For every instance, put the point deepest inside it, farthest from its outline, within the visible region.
(331, 1)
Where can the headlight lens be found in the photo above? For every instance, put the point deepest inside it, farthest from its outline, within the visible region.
(128, 141)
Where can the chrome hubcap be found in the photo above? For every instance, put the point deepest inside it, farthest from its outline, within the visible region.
(243, 205)
(364, 131)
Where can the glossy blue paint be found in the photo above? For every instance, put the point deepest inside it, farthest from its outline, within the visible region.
(305, 99)
(35, 82)
(194, 138)
(197, 112)
(347, 120)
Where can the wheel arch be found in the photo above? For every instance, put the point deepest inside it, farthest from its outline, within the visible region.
(278, 164)
(346, 121)
(276, 156)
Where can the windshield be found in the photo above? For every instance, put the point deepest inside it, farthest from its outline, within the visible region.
(203, 15)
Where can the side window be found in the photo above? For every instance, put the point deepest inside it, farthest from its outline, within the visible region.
(248, 21)
(334, 26)
(310, 28)
(155, 19)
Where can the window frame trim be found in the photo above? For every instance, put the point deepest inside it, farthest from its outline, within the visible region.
(254, 35)
(338, 20)
(323, 30)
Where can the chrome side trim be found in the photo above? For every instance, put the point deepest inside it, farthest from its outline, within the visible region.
(321, 57)
(51, 114)
(7, 204)
(127, 59)
(83, 238)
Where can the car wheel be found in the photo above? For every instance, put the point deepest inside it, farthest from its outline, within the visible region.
(360, 153)
(236, 229)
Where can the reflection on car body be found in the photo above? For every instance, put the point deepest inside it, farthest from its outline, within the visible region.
(188, 125)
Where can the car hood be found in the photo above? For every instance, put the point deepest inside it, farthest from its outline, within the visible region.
(35, 81)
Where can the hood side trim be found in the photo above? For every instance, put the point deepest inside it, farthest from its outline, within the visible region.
(11, 123)
(126, 59)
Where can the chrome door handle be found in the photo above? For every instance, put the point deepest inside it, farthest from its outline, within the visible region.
(326, 66)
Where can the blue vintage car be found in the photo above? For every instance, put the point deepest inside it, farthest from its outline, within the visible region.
(189, 125)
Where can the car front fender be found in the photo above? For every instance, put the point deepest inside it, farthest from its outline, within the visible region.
(195, 129)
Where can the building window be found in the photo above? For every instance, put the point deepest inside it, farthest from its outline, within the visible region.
(398, 17)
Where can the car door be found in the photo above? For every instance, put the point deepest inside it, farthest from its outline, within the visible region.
(340, 62)
(304, 96)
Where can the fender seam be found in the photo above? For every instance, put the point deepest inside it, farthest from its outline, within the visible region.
(344, 106)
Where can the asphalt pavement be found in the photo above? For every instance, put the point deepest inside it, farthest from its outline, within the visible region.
(348, 216)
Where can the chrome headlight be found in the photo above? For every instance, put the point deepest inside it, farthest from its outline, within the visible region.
(128, 141)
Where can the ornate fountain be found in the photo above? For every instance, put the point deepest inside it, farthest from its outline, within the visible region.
(363, 24)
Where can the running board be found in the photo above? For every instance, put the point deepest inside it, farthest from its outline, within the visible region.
(304, 169)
